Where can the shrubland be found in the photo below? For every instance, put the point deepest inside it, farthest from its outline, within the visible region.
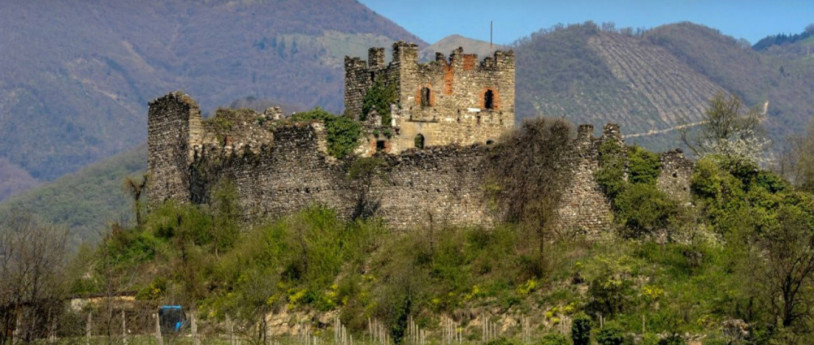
(667, 272)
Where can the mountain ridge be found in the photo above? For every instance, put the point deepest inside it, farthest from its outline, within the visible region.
(76, 85)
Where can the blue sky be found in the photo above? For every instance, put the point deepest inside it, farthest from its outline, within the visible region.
(434, 19)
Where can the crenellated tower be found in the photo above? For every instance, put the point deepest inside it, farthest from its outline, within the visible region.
(455, 100)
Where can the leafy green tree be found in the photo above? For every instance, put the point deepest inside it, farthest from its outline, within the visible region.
(788, 274)
(643, 166)
(611, 334)
(643, 209)
(581, 329)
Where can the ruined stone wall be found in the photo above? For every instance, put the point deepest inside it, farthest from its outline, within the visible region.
(674, 178)
(280, 167)
(584, 207)
(284, 176)
(440, 185)
(436, 186)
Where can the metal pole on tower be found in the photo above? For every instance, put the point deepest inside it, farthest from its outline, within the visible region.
(490, 37)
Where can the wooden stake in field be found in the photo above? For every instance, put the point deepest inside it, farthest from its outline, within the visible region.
(88, 329)
(158, 339)
(124, 328)
(231, 330)
(194, 328)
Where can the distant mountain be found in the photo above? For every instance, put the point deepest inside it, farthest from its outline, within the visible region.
(447, 44)
(77, 75)
(653, 81)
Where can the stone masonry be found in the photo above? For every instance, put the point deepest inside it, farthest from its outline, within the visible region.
(278, 167)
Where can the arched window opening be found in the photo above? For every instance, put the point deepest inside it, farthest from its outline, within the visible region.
(489, 99)
(425, 97)
(381, 145)
(419, 141)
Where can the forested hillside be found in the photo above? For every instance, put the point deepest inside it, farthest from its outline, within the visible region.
(77, 76)
(654, 80)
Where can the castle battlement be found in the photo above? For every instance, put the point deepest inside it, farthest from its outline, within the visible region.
(452, 100)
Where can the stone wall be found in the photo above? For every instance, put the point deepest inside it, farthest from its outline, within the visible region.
(674, 178)
(279, 167)
(439, 185)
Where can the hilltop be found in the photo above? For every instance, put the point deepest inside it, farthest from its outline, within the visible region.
(449, 43)
(74, 88)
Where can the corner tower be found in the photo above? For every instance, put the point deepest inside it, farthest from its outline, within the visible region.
(173, 130)
(456, 100)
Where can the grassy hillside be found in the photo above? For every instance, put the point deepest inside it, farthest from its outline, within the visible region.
(666, 271)
(77, 76)
(654, 80)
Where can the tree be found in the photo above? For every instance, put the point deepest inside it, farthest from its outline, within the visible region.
(135, 187)
(581, 330)
(797, 161)
(528, 175)
(728, 130)
(32, 259)
(787, 246)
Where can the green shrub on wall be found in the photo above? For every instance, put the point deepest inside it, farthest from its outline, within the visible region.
(342, 132)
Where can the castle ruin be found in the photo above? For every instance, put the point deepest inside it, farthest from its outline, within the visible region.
(443, 121)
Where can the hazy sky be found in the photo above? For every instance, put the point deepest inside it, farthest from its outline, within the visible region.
(434, 19)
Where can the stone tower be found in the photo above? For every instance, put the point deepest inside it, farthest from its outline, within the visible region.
(174, 129)
(455, 100)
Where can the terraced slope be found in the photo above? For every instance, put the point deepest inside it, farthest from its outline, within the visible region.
(591, 76)
(656, 82)
(677, 92)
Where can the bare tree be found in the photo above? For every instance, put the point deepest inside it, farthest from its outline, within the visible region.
(797, 161)
(528, 173)
(32, 260)
(135, 187)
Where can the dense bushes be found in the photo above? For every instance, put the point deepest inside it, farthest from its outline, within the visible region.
(342, 132)
(641, 208)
